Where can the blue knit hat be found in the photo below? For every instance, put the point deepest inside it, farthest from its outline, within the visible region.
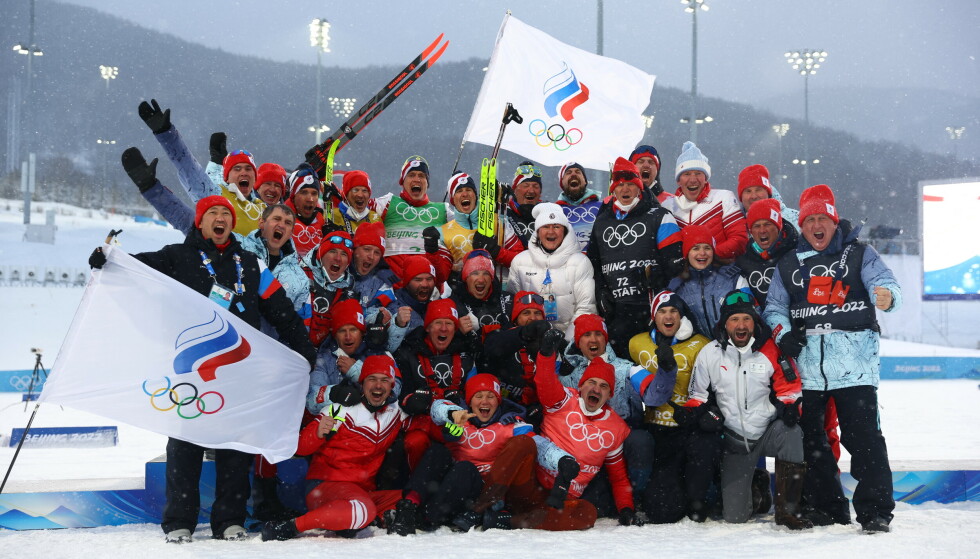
(691, 159)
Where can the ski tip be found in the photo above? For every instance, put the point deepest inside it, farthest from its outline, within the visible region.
(438, 53)
(433, 45)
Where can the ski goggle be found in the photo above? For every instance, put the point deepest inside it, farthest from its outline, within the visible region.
(627, 176)
(531, 299)
(737, 297)
(338, 240)
(528, 170)
(240, 152)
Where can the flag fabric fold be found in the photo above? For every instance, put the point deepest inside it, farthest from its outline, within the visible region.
(577, 106)
(146, 350)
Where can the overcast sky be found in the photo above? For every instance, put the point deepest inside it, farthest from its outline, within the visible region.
(741, 42)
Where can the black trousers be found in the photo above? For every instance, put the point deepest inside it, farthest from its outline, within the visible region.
(857, 411)
(231, 487)
(685, 466)
(629, 321)
(447, 488)
(638, 452)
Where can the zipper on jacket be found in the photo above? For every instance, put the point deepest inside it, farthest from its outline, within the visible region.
(745, 400)
(704, 304)
(822, 373)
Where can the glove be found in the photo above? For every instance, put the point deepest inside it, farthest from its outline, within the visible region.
(417, 402)
(97, 259)
(789, 413)
(607, 305)
(219, 147)
(509, 418)
(158, 120)
(793, 342)
(711, 420)
(665, 358)
(628, 517)
(685, 417)
(345, 394)
(550, 342)
(565, 368)
(430, 238)
(533, 331)
(143, 175)
(337, 412)
(568, 470)
(534, 414)
(377, 335)
(454, 396)
(452, 432)
(488, 244)
(330, 191)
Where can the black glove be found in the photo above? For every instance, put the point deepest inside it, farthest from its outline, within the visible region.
(430, 237)
(607, 304)
(533, 331)
(685, 417)
(454, 396)
(97, 259)
(793, 342)
(789, 413)
(665, 358)
(157, 119)
(345, 394)
(534, 414)
(145, 176)
(568, 470)
(330, 191)
(377, 334)
(565, 368)
(711, 420)
(628, 517)
(417, 402)
(551, 342)
(219, 147)
(488, 244)
(452, 432)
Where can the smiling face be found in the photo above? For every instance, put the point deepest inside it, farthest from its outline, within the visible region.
(668, 321)
(242, 175)
(377, 388)
(692, 183)
(335, 262)
(270, 192)
(740, 327)
(592, 344)
(701, 256)
(595, 392)
(818, 230)
(416, 184)
(216, 224)
(366, 257)
(528, 192)
(305, 201)
(421, 286)
(573, 183)
(348, 338)
(479, 283)
(551, 236)
(484, 404)
(464, 200)
(276, 229)
(648, 169)
(752, 195)
(764, 233)
(358, 197)
(440, 333)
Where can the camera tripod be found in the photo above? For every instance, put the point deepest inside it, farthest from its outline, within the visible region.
(35, 376)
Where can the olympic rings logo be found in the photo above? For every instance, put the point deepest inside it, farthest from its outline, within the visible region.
(821, 270)
(425, 215)
(21, 383)
(182, 402)
(479, 438)
(623, 234)
(522, 229)
(760, 280)
(581, 214)
(649, 361)
(596, 438)
(308, 235)
(443, 373)
(252, 211)
(459, 242)
(554, 135)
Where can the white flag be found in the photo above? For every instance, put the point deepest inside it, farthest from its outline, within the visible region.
(149, 351)
(577, 106)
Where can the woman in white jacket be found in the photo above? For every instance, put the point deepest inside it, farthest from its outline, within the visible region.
(554, 266)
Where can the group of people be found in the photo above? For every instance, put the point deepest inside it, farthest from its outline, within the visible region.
(628, 352)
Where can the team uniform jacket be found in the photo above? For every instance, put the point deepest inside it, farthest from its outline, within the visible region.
(323, 295)
(456, 239)
(757, 266)
(343, 218)
(703, 292)
(581, 214)
(643, 352)
(288, 271)
(490, 313)
(423, 369)
(595, 440)
(404, 222)
(479, 445)
(719, 211)
(522, 224)
(506, 356)
(625, 400)
(307, 233)
(326, 374)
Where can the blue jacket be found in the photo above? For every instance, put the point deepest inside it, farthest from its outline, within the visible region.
(704, 291)
(326, 375)
(835, 359)
(288, 271)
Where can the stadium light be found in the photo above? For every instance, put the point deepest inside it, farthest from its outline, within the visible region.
(319, 38)
(693, 7)
(806, 62)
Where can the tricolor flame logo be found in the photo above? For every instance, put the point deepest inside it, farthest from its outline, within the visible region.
(205, 347)
(563, 93)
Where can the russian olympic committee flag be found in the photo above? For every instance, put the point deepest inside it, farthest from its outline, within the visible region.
(577, 106)
(149, 351)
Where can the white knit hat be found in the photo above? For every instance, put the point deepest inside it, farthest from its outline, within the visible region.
(547, 213)
(691, 159)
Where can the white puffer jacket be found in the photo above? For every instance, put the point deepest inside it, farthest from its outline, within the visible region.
(572, 280)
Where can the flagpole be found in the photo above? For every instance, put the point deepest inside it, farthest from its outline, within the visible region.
(19, 445)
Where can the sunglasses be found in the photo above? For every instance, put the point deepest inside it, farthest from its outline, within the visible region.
(737, 297)
(625, 176)
(528, 170)
(240, 152)
(337, 240)
(531, 299)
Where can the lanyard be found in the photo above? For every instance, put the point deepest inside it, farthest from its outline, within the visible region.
(239, 286)
(454, 380)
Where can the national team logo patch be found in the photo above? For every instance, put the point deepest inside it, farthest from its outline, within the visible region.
(563, 93)
(830, 209)
(773, 216)
(205, 347)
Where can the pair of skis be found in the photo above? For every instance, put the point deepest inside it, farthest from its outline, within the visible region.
(491, 202)
(321, 156)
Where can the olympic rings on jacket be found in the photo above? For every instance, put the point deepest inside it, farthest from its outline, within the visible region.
(554, 135)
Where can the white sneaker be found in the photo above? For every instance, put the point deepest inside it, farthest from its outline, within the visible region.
(182, 535)
(233, 533)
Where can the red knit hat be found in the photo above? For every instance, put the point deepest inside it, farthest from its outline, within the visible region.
(379, 364)
(347, 312)
(754, 175)
(208, 202)
(589, 323)
(767, 209)
(234, 158)
(695, 235)
(526, 300)
(476, 260)
(623, 165)
(599, 369)
(481, 382)
(271, 172)
(441, 308)
(356, 178)
(370, 234)
(818, 199)
(337, 239)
